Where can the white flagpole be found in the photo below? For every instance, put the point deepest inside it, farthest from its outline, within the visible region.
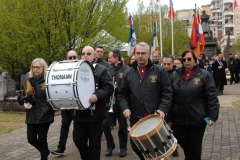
(172, 37)
(160, 28)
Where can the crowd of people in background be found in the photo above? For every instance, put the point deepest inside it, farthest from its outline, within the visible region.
(121, 99)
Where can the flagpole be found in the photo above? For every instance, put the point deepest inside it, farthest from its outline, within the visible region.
(172, 38)
(160, 28)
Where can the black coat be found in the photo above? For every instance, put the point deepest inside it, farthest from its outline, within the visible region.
(219, 75)
(118, 74)
(151, 92)
(194, 99)
(41, 111)
(103, 93)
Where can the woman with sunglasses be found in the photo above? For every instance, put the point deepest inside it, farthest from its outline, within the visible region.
(39, 114)
(195, 104)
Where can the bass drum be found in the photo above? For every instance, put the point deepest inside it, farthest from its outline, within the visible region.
(69, 85)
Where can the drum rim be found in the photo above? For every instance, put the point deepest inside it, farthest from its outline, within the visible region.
(149, 134)
(170, 151)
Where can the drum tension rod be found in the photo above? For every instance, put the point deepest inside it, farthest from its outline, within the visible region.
(156, 149)
(164, 143)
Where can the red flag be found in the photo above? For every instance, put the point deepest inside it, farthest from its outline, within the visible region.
(197, 40)
(171, 13)
(235, 4)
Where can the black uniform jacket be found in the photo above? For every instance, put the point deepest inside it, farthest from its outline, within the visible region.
(103, 93)
(151, 92)
(117, 73)
(194, 99)
(41, 111)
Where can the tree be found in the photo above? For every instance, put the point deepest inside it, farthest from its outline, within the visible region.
(49, 28)
(143, 25)
(235, 49)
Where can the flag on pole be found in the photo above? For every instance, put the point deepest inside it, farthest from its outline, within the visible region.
(197, 40)
(171, 13)
(235, 4)
(155, 46)
(132, 38)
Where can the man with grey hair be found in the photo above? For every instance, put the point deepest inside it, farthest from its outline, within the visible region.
(87, 127)
(144, 90)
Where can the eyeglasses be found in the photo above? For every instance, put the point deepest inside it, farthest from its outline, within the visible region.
(142, 53)
(86, 54)
(72, 57)
(167, 64)
(36, 67)
(187, 59)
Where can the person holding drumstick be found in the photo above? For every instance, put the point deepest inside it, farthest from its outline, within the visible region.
(145, 89)
(195, 104)
(66, 117)
(87, 127)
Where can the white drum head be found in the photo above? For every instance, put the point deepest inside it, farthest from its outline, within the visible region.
(146, 126)
(85, 84)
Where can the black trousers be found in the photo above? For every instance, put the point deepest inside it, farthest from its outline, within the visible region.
(122, 131)
(37, 137)
(232, 77)
(190, 139)
(87, 138)
(236, 76)
(66, 122)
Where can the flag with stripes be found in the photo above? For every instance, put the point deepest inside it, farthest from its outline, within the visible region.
(155, 46)
(235, 4)
(132, 38)
(197, 40)
(171, 13)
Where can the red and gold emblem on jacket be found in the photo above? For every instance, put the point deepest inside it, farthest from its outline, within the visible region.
(196, 80)
(153, 78)
(120, 75)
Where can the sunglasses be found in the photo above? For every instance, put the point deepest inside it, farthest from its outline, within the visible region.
(72, 57)
(86, 54)
(187, 59)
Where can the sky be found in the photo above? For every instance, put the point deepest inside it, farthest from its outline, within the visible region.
(177, 4)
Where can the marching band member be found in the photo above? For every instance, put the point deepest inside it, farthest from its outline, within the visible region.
(66, 117)
(39, 113)
(194, 102)
(145, 89)
(87, 130)
(117, 73)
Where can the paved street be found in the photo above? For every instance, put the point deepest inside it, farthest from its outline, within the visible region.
(221, 141)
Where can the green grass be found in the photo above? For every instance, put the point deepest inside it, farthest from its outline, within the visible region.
(11, 121)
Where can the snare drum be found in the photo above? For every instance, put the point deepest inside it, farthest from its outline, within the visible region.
(69, 84)
(153, 137)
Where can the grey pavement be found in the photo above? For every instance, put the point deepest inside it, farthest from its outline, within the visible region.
(221, 141)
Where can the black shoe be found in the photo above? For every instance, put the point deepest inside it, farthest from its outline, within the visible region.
(123, 152)
(175, 153)
(58, 151)
(108, 152)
